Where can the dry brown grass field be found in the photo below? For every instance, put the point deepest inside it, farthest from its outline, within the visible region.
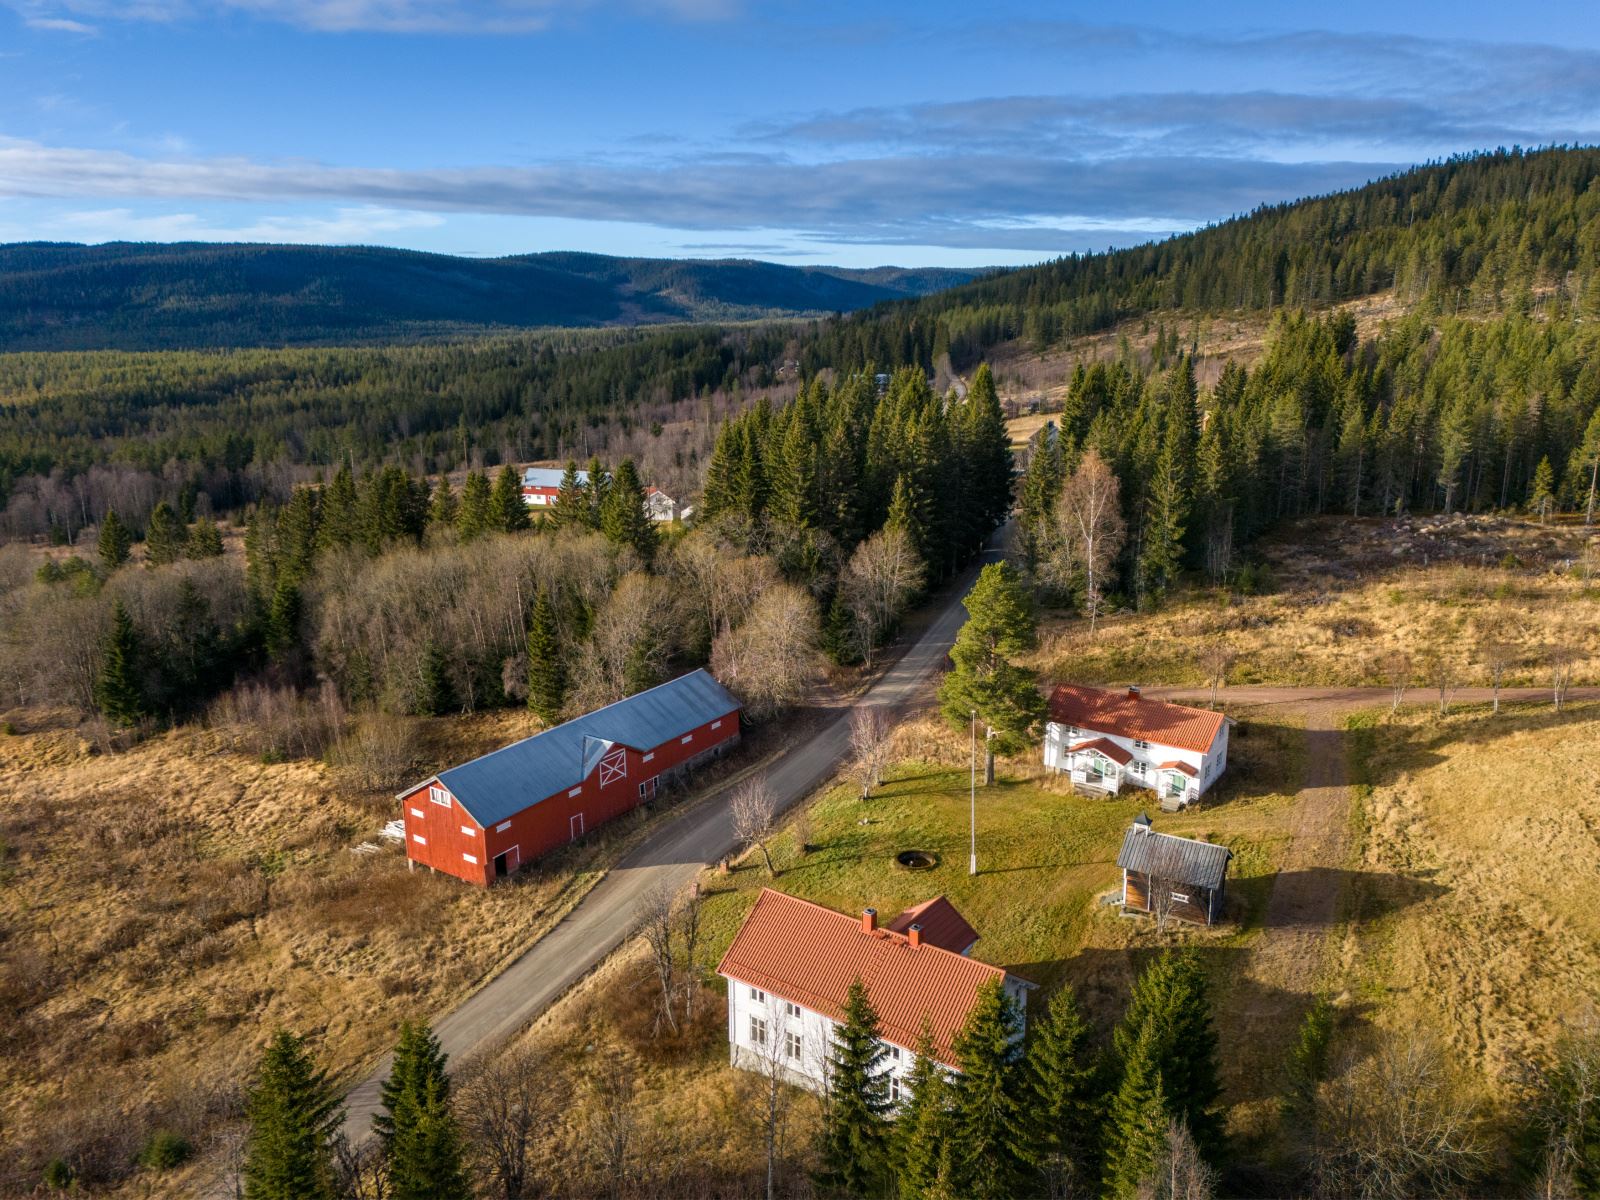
(1479, 853)
(1345, 597)
(164, 909)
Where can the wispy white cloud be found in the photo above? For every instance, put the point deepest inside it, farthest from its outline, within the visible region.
(343, 16)
(348, 225)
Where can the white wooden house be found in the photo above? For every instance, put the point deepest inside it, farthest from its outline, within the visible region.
(659, 506)
(790, 968)
(1110, 739)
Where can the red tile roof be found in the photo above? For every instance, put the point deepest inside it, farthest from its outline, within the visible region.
(1105, 746)
(810, 954)
(941, 925)
(1178, 766)
(1099, 711)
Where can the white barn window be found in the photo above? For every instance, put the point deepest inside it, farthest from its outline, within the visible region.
(438, 795)
(468, 830)
(471, 858)
(419, 839)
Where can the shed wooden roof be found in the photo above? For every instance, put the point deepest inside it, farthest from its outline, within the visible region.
(1175, 859)
(1098, 710)
(810, 954)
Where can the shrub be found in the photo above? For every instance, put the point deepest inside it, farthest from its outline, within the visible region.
(165, 1150)
(57, 1175)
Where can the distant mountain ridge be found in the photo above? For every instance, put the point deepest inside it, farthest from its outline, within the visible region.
(189, 295)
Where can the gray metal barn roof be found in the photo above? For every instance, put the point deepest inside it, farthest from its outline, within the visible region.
(549, 477)
(508, 780)
(1176, 859)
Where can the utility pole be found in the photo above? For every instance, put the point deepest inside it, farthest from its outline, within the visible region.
(972, 865)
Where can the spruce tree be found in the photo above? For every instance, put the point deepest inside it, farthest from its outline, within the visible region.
(295, 536)
(340, 505)
(547, 674)
(205, 540)
(118, 691)
(435, 694)
(598, 488)
(508, 509)
(1061, 1109)
(475, 517)
(1001, 625)
(115, 541)
(442, 504)
(720, 495)
(193, 656)
(572, 504)
(905, 515)
(163, 536)
(1041, 487)
(987, 456)
(293, 1112)
(854, 1130)
(986, 1125)
(1542, 492)
(283, 620)
(418, 1132)
(922, 1126)
(1136, 1123)
(623, 518)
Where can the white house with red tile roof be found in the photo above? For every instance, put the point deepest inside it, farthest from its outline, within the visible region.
(1108, 739)
(790, 968)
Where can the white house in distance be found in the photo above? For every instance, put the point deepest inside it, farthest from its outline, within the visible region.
(791, 965)
(659, 506)
(1108, 739)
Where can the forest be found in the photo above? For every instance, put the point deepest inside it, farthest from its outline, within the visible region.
(1494, 258)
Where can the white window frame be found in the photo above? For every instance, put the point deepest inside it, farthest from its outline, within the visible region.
(716, 724)
(791, 1009)
(651, 757)
(686, 739)
(894, 1089)
(1182, 898)
(502, 827)
(757, 995)
(469, 831)
(418, 814)
(758, 1031)
(793, 1045)
(577, 791)
(1141, 743)
(438, 795)
(419, 839)
(471, 858)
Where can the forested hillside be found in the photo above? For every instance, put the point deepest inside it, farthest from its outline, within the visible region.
(192, 295)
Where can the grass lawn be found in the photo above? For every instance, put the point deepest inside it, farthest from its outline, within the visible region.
(1046, 858)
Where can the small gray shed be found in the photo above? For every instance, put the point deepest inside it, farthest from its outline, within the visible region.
(1172, 876)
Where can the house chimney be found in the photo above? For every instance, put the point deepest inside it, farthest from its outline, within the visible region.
(1133, 691)
(869, 920)
(916, 935)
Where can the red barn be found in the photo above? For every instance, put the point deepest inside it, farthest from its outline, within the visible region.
(487, 817)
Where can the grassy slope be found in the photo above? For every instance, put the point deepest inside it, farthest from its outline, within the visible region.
(1476, 902)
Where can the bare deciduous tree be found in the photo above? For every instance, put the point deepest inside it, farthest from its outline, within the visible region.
(1439, 670)
(1216, 658)
(1562, 659)
(771, 658)
(1497, 656)
(754, 810)
(1088, 532)
(507, 1105)
(1396, 668)
(631, 641)
(774, 1099)
(655, 917)
(1399, 1121)
(1178, 1172)
(869, 742)
(882, 576)
(691, 906)
(613, 1121)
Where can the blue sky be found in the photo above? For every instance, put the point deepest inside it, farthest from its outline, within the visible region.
(927, 133)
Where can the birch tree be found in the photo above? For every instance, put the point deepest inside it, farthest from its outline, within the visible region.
(754, 811)
(1089, 532)
(869, 741)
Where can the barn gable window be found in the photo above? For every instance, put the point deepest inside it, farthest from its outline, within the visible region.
(438, 795)
(614, 766)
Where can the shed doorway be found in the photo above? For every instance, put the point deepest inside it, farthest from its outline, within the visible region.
(507, 862)
(575, 826)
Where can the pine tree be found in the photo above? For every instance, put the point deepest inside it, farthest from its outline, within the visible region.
(1542, 492)
(854, 1128)
(418, 1132)
(118, 692)
(205, 540)
(442, 504)
(475, 517)
(1137, 1121)
(340, 506)
(572, 504)
(435, 694)
(547, 674)
(1061, 1109)
(922, 1126)
(293, 1112)
(115, 541)
(986, 1122)
(509, 511)
(623, 518)
(163, 536)
(1000, 626)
